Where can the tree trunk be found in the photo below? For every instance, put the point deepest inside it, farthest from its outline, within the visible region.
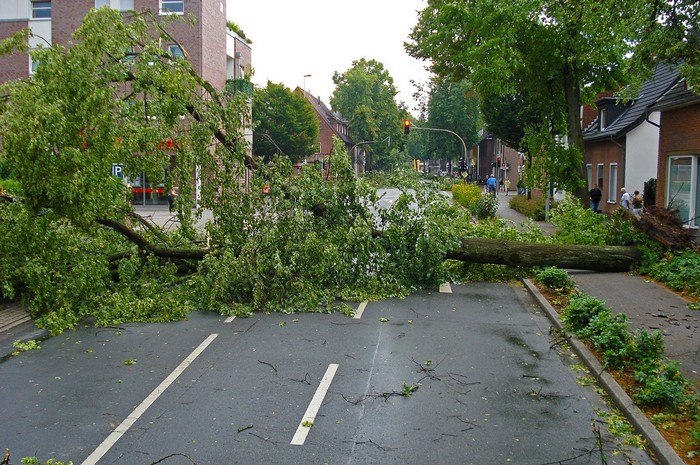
(579, 257)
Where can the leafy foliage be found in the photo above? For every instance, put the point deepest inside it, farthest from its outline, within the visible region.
(285, 121)
(590, 228)
(532, 208)
(555, 279)
(580, 311)
(364, 95)
(472, 197)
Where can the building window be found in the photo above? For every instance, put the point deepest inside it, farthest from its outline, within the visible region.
(121, 5)
(41, 10)
(172, 6)
(589, 176)
(683, 188)
(612, 184)
(603, 122)
(600, 175)
(33, 65)
(176, 51)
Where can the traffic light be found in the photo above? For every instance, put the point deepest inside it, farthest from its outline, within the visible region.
(498, 160)
(406, 126)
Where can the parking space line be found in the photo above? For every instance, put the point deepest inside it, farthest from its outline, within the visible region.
(446, 288)
(107, 444)
(230, 319)
(360, 310)
(308, 420)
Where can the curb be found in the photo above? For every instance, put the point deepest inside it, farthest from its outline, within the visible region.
(24, 332)
(657, 443)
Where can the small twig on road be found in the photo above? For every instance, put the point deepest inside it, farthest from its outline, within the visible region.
(178, 454)
(263, 438)
(269, 364)
(244, 428)
(305, 380)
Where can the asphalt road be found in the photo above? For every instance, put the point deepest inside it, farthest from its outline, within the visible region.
(486, 383)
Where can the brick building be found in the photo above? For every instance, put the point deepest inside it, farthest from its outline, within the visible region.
(217, 54)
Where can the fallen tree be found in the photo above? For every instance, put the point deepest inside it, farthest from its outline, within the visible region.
(579, 257)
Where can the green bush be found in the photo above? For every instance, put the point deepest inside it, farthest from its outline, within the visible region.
(646, 349)
(554, 278)
(664, 388)
(472, 197)
(608, 334)
(532, 208)
(576, 224)
(577, 315)
(680, 272)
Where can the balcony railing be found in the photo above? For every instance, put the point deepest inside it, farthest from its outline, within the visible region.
(240, 85)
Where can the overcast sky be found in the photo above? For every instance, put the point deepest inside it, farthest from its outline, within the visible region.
(318, 37)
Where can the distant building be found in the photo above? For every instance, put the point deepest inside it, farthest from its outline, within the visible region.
(332, 123)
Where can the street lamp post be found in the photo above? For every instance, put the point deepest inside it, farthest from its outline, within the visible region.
(305, 76)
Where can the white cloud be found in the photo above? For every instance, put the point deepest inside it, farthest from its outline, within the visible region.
(319, 37)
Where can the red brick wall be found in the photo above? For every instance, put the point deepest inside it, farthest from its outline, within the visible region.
(15, 66)
(66, 17)
(680, 134)
(213, 40)
(606, 152)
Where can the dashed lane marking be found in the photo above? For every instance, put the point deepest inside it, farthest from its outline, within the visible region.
(308, 420)
(446, 288)
(360, 310)
(107, 444)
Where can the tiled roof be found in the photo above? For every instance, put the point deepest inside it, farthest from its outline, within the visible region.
(676, 97)
(665, 77)
(332, 118)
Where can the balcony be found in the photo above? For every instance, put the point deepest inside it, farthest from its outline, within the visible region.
(244, 86)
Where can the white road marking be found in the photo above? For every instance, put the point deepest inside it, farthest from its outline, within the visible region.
(308, 420)
(360, 310)
(147, 402)
(445, 288)
(230, 319)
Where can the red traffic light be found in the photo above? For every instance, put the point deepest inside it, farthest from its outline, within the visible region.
(406, 126)
(499, 161)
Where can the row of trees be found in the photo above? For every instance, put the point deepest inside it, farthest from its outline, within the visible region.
(534, 62)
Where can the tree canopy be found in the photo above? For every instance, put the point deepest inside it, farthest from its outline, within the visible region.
(451, 107)
(365, 96)
(557, 54)
(285, 122)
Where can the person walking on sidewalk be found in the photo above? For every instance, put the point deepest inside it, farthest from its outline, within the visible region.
(596, 195)
(492, 184)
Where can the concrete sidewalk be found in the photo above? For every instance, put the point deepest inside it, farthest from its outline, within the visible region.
(648, 305)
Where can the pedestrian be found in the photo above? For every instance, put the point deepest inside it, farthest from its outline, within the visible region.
(637, 203)
(172, 195)
(625, 200)
(492, 184)
(506, 185)
(596, 194)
